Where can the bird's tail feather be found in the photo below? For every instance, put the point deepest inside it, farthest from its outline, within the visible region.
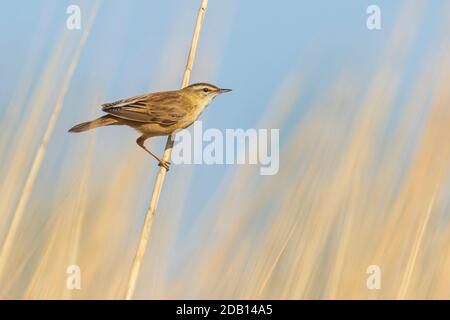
(100, 122)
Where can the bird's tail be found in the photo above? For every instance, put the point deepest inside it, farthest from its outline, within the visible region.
(100, 122)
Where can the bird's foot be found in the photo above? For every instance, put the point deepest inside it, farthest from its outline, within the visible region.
(164, 164)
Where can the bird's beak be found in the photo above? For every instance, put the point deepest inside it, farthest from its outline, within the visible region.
(224, 90)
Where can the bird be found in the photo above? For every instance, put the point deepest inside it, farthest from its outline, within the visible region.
(156, 114)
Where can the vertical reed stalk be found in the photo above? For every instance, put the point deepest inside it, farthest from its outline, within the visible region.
(145, 234)
(415, 251)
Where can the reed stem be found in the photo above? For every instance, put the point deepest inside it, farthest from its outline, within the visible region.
(146, 230)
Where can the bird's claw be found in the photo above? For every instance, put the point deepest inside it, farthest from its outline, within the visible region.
(164, 164)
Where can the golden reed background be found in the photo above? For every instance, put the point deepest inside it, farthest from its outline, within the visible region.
(359, 185)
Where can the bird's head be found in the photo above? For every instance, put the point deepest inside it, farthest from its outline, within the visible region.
(204, 92)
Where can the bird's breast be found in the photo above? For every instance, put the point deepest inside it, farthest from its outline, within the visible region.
(195, 113)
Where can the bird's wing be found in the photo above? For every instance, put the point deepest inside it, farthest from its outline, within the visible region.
(165, 108)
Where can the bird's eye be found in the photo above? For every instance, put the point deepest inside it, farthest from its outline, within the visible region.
(205, 90)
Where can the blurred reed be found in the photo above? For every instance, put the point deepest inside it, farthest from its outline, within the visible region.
(8, 240)
(360, 183)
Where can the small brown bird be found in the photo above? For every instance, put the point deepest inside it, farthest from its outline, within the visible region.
(156, 114)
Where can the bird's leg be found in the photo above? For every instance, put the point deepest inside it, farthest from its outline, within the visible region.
(162, 163)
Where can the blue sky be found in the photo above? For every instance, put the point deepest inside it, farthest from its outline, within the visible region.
(262, 42)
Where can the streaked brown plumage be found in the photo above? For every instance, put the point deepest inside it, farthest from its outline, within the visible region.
(156, 114)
